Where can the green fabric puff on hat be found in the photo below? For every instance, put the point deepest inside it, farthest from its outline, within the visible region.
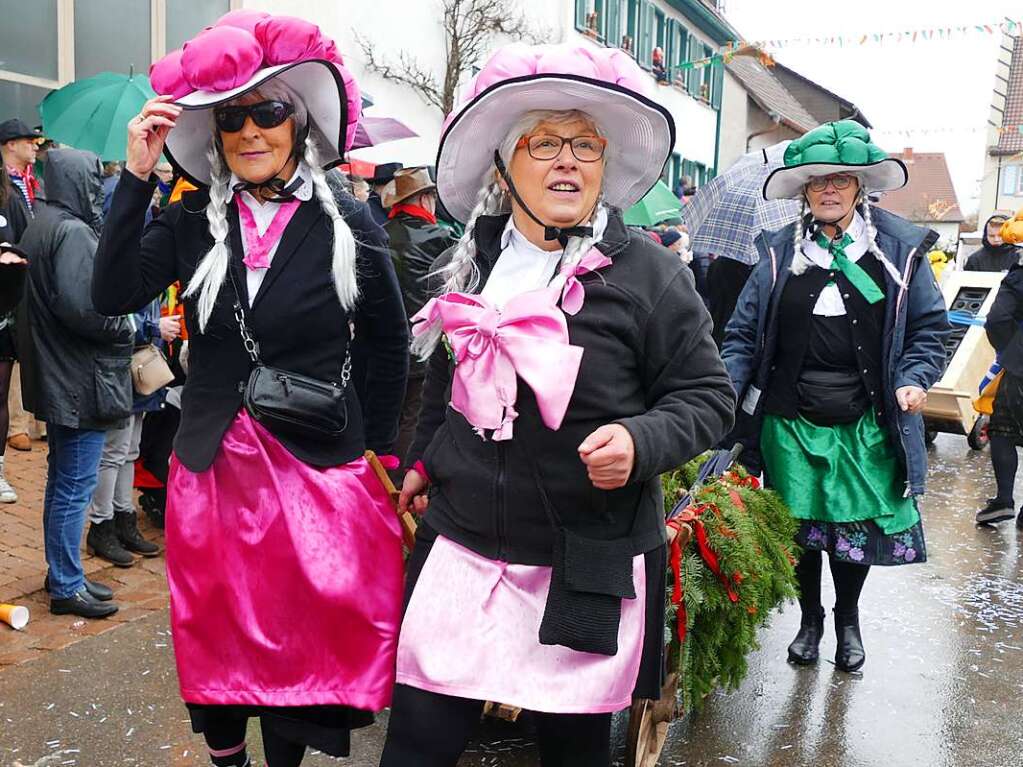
(836, 147)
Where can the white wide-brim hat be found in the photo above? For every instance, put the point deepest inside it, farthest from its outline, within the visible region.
(640, 132)
(238, 54)
(787, 183)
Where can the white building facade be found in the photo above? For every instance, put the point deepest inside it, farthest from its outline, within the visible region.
(683, 29)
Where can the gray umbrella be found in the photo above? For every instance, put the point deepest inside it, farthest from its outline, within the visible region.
(728, 212)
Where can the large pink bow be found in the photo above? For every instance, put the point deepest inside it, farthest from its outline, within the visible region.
(527, 339)
(573, 294)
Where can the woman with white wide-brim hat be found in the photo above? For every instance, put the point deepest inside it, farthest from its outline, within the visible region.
(283, 553)
(834, 342)
(576, 366)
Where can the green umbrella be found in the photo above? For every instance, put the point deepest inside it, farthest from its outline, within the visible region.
(658, 204)
(93, 113)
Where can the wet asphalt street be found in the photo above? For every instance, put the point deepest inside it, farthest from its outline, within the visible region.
(942, 686)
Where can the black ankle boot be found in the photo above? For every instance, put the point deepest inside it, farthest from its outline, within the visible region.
(804, 648)
(130, 537)
(102, 542)
(849, 656)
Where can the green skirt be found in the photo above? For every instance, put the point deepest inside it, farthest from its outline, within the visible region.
(837, 474)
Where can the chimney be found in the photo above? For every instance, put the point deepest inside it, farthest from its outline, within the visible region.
(907, 154)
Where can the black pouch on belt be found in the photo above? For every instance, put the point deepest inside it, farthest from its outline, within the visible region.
(589, 580)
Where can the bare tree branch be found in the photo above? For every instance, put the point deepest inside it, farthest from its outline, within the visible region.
(469, 27)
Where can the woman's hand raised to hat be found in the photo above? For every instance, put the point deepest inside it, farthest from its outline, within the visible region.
(147, 132)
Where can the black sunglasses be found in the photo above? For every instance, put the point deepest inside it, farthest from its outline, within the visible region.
(265, 114)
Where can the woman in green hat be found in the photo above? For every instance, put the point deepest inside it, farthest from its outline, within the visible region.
(835, 340)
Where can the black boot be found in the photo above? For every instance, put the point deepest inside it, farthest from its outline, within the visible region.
(1019, 520)
(996, 510)
(153, 502)
(127, 523)
(82, 604)
(804, 648)
(849, 656)
(96, 590)
(102, 542)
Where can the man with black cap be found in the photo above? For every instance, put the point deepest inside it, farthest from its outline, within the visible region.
(18, 145)
(416, 240)
(381, 180)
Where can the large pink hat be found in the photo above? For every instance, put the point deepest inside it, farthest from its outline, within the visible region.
(605, 83)
(236, 55)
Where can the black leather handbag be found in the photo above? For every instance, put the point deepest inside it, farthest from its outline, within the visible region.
(290, 403)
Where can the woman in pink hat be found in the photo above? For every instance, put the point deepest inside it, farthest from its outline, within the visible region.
(283, 555)
(570, 364)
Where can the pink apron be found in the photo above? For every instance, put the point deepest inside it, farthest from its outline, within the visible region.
(285, 579)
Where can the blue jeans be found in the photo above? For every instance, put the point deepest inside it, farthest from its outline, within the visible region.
(71, 476)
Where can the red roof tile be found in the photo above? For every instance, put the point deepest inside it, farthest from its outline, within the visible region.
(929, 195)
(1011, 140)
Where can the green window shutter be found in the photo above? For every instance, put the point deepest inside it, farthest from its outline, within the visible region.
(600, 7)
(693, 80)
(580, 14)
(717, 87)
(613, 27)
(669, 46)
(648, 33)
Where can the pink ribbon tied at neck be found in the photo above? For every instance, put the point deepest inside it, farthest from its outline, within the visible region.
(492, 348)
(573, 294)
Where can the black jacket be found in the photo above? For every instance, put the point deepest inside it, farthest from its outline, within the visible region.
(81, 358)
(992, 258)
(1005, 320)
(297, 319)
(14, 215)
(415, 245)
(649, 364)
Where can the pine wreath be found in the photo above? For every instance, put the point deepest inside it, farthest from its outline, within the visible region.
(750, 533)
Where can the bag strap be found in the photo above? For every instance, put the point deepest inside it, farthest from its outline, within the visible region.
(252, 345)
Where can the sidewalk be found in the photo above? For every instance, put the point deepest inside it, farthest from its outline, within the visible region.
(139, 590)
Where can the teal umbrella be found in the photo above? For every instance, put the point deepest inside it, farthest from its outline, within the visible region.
(93, 113)
(658, 204)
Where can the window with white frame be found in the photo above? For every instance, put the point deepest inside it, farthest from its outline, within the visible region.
(54, 42)
(1012, 180)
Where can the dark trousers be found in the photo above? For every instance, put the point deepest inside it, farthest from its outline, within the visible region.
(409, 418)
(428, 729)
(71, 476)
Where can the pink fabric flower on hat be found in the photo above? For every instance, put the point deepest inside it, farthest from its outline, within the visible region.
(220, 58)
(285, 39)
(167, 78)
(243, 19)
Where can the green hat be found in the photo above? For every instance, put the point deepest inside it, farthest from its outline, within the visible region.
(837, 147)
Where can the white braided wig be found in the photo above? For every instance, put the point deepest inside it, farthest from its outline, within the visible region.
(212, 269)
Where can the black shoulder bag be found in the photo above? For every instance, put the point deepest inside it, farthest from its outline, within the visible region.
(589, 580)
(289, 403)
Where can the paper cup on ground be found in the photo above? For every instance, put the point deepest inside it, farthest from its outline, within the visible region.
(15, 616)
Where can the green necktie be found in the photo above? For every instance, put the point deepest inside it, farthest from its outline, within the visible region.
(855, 273)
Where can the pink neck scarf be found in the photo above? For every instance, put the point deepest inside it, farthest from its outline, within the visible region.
(258, 246)
(528, 339)
(573, 294)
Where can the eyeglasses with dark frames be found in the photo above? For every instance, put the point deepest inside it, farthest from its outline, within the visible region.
(544, 146)
(840, 181)
(265, 114)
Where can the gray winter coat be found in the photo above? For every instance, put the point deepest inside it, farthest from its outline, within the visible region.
(81, 358)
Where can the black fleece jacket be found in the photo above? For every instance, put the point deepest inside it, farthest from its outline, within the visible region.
(649, 363)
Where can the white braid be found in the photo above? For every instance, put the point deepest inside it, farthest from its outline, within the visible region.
(577, 247)
(211, 272)
(872, 245)
(343, 261)
(800, 261)
(461, 272)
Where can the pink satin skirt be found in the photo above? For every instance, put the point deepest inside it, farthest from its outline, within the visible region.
(472, 627)
(285, 579)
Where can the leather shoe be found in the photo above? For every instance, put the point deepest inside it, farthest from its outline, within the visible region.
(82, 604)
(20, 442)
(96, 590)
(850, 655)
(804, 648)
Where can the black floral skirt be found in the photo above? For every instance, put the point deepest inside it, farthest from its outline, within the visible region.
(1007, 415)
(863, 543)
